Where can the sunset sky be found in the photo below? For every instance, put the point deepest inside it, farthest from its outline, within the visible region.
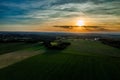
(44, 15)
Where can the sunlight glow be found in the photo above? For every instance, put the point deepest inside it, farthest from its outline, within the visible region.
(80, 23)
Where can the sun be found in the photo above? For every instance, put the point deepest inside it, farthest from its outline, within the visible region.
(80, 23)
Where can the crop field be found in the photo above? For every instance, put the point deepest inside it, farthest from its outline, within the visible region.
(82, 60)
(10, 47)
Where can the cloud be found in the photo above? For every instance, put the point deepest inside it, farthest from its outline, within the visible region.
(27, 4)
(87, 28)
(108, 8)
(96, 28)
(66, 27)
(40, 11)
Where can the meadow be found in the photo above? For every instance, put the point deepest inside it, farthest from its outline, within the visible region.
(14, 46)
(82, 60)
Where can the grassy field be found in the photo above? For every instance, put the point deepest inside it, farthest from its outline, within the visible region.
(11, 47)
(82, 60)
(18, 52)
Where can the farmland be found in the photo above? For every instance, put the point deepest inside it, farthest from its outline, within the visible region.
(82, 60)
(10, 47)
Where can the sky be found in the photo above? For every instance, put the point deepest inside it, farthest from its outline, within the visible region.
(44, 15)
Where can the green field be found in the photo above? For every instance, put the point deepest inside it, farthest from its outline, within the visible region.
(11, 47)
(82, 60)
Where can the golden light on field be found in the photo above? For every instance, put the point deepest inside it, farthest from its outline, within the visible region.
(80, 23)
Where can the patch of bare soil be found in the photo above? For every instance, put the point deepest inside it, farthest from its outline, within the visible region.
(13, 57)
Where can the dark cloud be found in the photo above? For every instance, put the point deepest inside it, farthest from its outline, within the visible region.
(65, 26)
(95, 28)
(88, 28)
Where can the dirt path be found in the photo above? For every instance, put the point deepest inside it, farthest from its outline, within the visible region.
(13, 57)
